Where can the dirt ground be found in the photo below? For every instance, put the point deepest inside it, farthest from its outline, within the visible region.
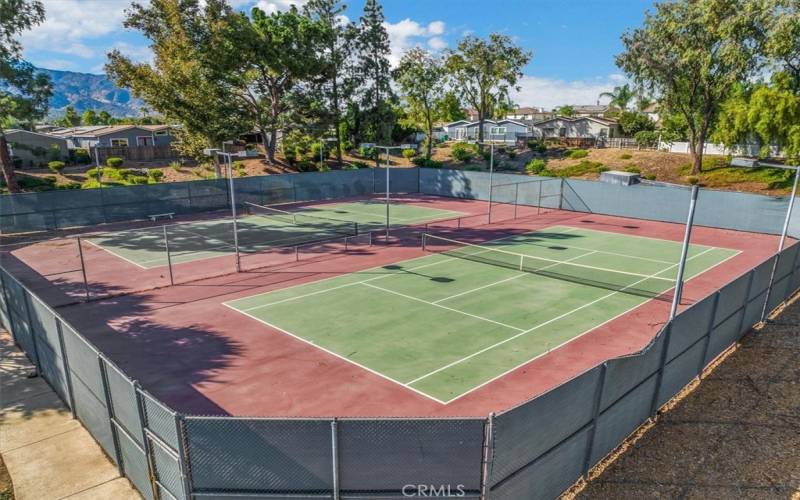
(736, 434)
(6, 488)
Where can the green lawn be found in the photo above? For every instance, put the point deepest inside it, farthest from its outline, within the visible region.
(447, 323)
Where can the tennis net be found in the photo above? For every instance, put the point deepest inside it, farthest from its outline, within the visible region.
(644, 285)
(323, 224)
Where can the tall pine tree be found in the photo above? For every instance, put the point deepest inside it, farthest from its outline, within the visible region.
(374, 74)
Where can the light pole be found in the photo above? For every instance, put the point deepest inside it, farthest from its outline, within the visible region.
(229, 164)
(750, 163)
(493, 131)
(387, 149)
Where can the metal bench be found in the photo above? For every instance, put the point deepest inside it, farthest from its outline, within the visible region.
(155, 217)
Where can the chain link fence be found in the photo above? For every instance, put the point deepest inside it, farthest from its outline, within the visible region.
(534, 450)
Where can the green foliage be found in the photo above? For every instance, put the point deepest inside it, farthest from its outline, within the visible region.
(582, 168)
(92, 172)
(176, 166)
(511, 154)
(449, 108)
(633, 169)
(296, 146)
(360, 164)
(536, 166)
(421, 161)
(56, 166)
(537, 146)
(647, 138)
(317, 147)
(633, 122)
(693, 180)
(155, 174)
(368, 153)
(373, 73)
(565, 110)
(71, 117)
(90, 183)
(650, 177)
(576, 154)
(33, 183)
(463, 152)
(118, 174)
(625, 156)
(81, 155)
(409, 153)
(473, 168)
(621, 97)
(138, 179)
(89, 117)
(114, 161)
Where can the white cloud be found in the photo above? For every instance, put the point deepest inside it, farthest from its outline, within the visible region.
(69, 23)
(137, 53)
(272, 6)
(59, 64)
(408, 33)
(551, 93)
(437, 43)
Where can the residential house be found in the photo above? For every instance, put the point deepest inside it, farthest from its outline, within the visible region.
(464, 130)
(584, 127)
(107, 136)
(592, 110)
(529, 114)
(33, 149)
(653, 112)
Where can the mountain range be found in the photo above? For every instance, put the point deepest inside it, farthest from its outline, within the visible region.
(87, 91)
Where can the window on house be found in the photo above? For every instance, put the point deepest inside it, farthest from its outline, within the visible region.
(119, 143)
(562, 132)
(162, 132)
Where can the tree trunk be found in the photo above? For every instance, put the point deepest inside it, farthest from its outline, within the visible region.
(273, 139)
(430, 139)
(7, 166)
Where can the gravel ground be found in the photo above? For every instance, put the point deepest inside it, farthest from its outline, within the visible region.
(6, 488)
(736, 434)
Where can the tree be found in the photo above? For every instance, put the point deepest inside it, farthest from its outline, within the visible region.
(632, 122)
(692, 54)
(179, 84)
(565, 110)
(621, 97)
(104, 118)
(485, 71)
(71, 117)
(31, 90)
(373, 74)
(89, 117)
(337, 40)
(421, 79)
(449, 108)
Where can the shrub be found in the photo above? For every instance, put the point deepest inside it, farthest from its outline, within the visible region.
(368, 153)
(138, 179)
(633, 169)
(537, 146)
(536, 166)
(81, 155)
(322, 166)
(118, 174)
(347, 166)
(318, 147)
(409, 153)
(625, 156)
(487, 155)
(647, 138)
(69, 185)
(426, 162)
(359, 164)
(512, 154)
(176, 166)
(92, 172)
(463, 152)
(602, 169)
(650, 177)
(473, 168)
(90, 184)
(693, 179)
(114, 161)
(576, 154)
(56, 166)
(155, 175)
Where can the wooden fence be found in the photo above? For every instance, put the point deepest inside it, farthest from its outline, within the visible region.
(135, 153)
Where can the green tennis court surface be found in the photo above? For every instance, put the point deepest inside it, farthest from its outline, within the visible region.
(449, 322)
(260, 230)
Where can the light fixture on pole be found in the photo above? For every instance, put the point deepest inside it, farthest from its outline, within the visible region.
(387, 149)
(752, 163)
(493, 132)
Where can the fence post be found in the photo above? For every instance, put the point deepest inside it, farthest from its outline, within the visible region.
(335, 457)
(27, 300)
(488, 456)
(183, 456)
(561, 195)
(662, 364)
(169, 257)
(8, 304)
(65, 360)
(746, 301)
(709, 331)
(151, 470)
(110, 414)
(83, 269)
(598, 396)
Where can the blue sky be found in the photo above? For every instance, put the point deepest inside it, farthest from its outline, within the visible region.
(573, 42)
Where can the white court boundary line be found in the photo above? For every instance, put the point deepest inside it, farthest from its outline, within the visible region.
(115, 254)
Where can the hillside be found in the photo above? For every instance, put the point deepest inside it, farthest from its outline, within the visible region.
(84, 91)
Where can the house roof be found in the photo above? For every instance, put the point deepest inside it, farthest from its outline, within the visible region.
(494, 122)
(528, 111)
(590, 108)
(102, 130)
(602, 121)
(22, 131)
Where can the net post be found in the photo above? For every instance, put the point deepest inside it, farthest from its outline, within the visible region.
(424, 242)
(169, 257)
(83, 269)
(521, 258)
(781, 243)
(345, 243)
(296, 253)
(233, 213)
(676, 299)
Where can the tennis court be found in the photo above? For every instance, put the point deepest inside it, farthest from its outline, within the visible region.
(449, 322)
(260, 228)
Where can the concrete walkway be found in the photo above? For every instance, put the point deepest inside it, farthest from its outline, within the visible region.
(49, 455)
